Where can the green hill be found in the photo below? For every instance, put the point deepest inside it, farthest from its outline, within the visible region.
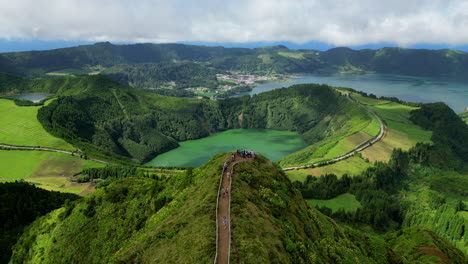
(21, 203)
(138, 220)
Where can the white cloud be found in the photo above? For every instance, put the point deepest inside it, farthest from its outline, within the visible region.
(337, 22)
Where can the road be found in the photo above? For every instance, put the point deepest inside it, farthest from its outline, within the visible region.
(359, 147)
(15, 147)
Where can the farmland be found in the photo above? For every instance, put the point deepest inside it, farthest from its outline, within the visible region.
(19, 126)
(51, 171)
(345, 201)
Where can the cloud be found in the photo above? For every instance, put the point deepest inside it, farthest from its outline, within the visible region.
(337, 22)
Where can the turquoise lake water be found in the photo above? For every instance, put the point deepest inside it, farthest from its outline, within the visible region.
(273, 144)
(31, 97)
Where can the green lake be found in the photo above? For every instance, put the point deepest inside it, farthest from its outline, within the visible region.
(273, 144)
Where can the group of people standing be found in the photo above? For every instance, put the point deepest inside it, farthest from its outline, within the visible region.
(246, 153)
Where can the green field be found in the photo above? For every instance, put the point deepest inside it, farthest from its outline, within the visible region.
(295, 55)
(51, 171)
(346, 201)
(351, 166)
(19, 126)
(401, 133)
(345, 133)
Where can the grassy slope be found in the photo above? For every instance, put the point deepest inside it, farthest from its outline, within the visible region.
(51, 171)
(19, 126)
(129, 225)
(272, 224)
(419, 245)
(351, 166)
(338, 135)
(402, 133)
(346, 201)
(434, 195)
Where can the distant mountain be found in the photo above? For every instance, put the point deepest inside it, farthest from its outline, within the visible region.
(138, 220)
(265, 60)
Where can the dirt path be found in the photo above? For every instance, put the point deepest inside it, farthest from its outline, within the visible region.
(359, 147)
(223, 236)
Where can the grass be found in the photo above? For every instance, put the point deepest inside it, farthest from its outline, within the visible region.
(348, 144)
(464, 116)
(344, 130)
(401, 133)
(367, 100)
(351, 166)
(19, 126)
(295, 55)
(49, 170)
(345, 201)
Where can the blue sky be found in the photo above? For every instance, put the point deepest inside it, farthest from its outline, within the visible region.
(46, 24)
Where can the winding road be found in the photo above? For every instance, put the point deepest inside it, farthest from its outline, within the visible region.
(16, 147)
(359, 147)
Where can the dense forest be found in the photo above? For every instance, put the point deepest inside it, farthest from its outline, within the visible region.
(173, 75)
(20, 204)
(276, 59)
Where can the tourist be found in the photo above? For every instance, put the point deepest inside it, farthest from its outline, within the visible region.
(223, 192)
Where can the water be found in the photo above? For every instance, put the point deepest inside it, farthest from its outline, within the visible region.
(273, 144)
(31, 97)
(415, 89)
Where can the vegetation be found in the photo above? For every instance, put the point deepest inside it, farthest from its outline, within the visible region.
(91, 59)
(19, 126)
(419, 245)
(104, 117)
(333, 136)
(416, 188)
(175, 75)
(464, 116)
(21, 203)
(49, 170)
(171, 220)
(132, 220)
(346, 202)
(401, 133)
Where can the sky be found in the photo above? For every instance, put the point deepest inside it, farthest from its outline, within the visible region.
(40, 24)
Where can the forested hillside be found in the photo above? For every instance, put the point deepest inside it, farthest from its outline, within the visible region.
(139, 220)
(20, 204)
(174, 75)
(278, 59)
